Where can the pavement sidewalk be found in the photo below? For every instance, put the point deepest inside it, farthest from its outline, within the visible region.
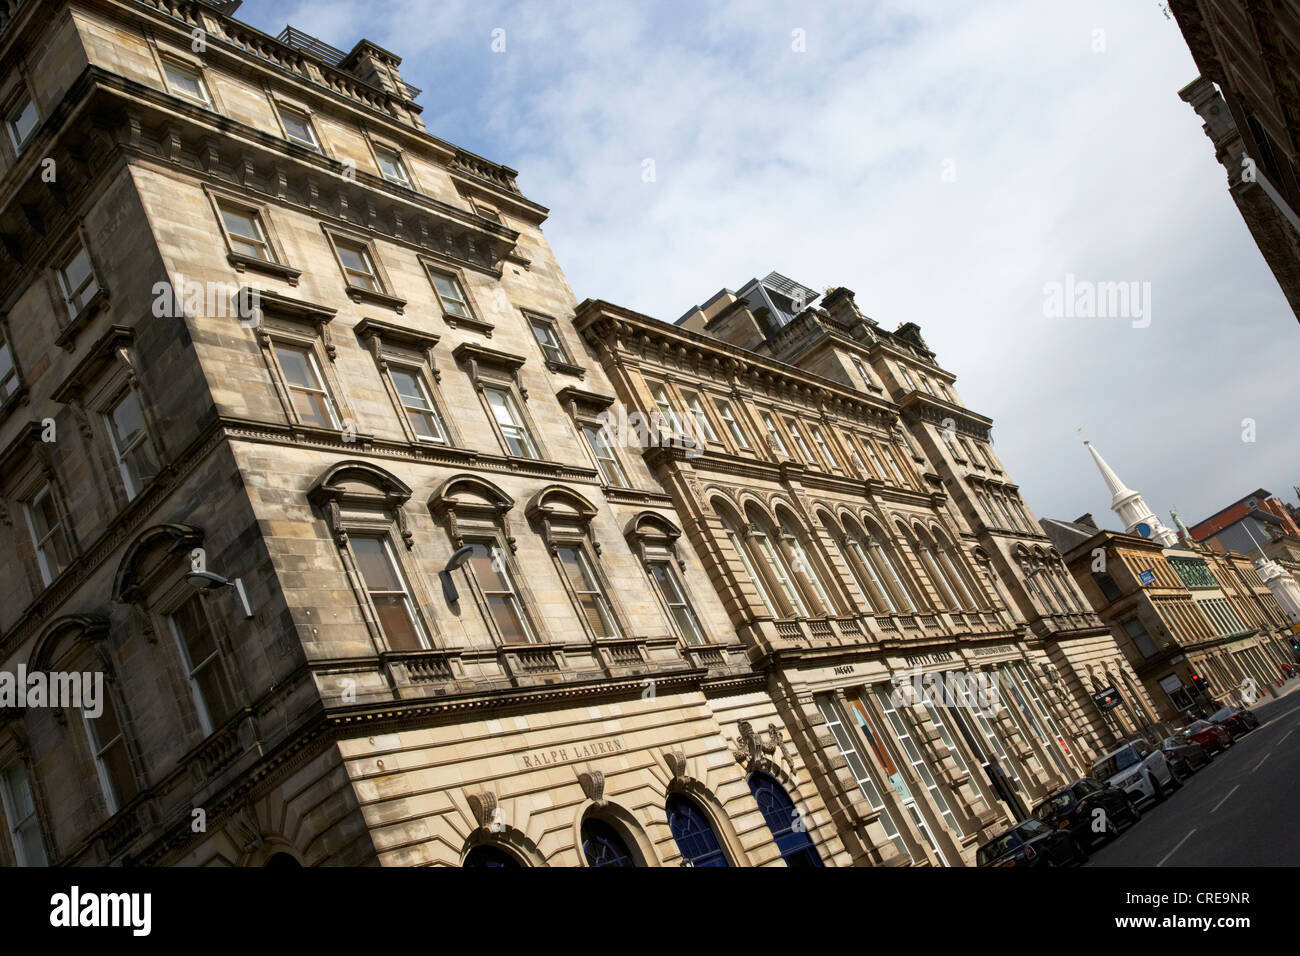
(1286, 690)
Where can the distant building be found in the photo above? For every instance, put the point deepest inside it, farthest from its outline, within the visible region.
(1251, 118)
(1258, 522)
(1178, 609)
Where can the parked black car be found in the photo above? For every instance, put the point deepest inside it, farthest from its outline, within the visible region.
(1075, 811)
(1235, 720)
(1185, 755)
(1031, 843)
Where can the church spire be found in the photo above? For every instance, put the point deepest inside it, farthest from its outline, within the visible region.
(1129, 506)
(1117, 488)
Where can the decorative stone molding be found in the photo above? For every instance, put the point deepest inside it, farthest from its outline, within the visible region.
(127, 583)
(651, 529)
(463, 496)
(676, 763)
(489, 816)
(360, 483)
(593, 786)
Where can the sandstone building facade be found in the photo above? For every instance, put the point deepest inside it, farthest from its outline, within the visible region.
(1197, 625)
(1247, 96)
(303, 445)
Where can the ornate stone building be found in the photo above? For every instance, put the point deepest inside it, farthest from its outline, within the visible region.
(301, 447)
(283, 336)
(835, 495)
(1196, 623)
(1180, 613)
(1248, 95)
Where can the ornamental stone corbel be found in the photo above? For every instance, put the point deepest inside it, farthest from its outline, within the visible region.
(593, 786)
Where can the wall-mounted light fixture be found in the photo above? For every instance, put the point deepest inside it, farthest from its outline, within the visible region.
(211, 581)
(457, 560)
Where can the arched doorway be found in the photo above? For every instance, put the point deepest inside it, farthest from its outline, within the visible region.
(281, 861)
(487, 855)
(785, 821)
(693, 831)
(603, 845)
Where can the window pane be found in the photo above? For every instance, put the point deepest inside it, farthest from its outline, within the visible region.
(8, 375)
(22, 122)
(670, 588)
(311, 408)
(487, 569)
(409, 389)
(105, 726)
(508, 620)
(576, 570)
(20, 795)
(216, 693)
(518, 440)
(184, 81)
(296, 366)
(395, 622)
(298, 127)
(548, 340)
(128, 421)
(354, 259)
(240, 224)
(376, 569)
(450, 294)
(117, 765)
(609, 464)
(390, 164)
(77, 271)
(196, 635)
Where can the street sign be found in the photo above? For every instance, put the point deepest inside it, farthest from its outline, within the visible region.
(1147, 577)
(1107, 698)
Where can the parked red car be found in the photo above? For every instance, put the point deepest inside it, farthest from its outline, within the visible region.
(1210, 736)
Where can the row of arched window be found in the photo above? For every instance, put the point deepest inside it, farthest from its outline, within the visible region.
(916, 570)
(1049, 582)
(607, 840)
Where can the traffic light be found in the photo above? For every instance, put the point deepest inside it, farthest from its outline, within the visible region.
(1200, 683)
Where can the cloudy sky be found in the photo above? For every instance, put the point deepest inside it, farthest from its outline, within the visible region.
(945, 160)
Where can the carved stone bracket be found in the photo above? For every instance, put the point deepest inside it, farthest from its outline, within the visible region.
(593, 785)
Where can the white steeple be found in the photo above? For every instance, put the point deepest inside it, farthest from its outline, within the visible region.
(1284, 587)
(1137, 518)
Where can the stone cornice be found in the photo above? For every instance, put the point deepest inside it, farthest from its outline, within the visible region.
(105, 114)
(612, 328)
(922, 406)
(243, 429)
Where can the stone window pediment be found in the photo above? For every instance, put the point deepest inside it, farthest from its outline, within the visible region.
(154, 561)
(562, 515)
(356, 491)
(385, 337)
(483, 362)
(273, 313)
(650, 534)
(100, 359)
(469, 504)
(66, 637)
(582, 403)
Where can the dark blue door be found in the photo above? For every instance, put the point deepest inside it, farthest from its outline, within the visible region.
(485, 855)
(696, 839)
(785, 822)
(603, 846)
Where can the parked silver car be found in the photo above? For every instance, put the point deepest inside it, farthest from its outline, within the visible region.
(1139, 770)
